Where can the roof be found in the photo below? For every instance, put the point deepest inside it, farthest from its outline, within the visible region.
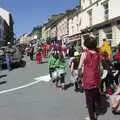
(5, 15)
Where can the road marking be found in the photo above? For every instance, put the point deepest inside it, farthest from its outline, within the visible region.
(45, 78)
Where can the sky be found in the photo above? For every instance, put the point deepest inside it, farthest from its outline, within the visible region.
(30, 13)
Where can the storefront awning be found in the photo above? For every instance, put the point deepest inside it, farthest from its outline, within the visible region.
(102, 25)
(75, 37)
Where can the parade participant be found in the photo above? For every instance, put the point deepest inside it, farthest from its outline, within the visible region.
(8, 57)
(31, 52)
(71, 54)
(116, 58)
(115, 101)
(44, 50)
(90, 61)
(51, 62)
(38, 56)
(74, 69)
(60, 66)
(106, 47)
(105, 64)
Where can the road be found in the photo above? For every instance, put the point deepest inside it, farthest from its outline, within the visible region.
(23, 97)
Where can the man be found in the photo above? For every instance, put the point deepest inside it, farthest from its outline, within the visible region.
(8, 54)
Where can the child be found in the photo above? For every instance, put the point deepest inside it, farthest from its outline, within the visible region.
(90, 61)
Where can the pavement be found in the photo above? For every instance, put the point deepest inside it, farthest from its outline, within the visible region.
(27, 94)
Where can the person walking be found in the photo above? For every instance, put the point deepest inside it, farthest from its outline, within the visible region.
(51, 61)
(31, 52)
(8, 56)
(38, 56)
(90, 61)
(74, 70)
(60, 67)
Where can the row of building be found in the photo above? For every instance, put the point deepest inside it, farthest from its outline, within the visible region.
(100, 18)
(6, 27)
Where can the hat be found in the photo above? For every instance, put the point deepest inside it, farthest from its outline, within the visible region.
(76, 54)
(8, 43)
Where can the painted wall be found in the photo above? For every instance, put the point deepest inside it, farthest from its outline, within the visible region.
(62, 28)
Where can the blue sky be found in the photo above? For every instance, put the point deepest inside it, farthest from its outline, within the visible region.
(29, 13)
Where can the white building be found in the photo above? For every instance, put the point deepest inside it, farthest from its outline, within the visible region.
(25, 38)
(6, 26)
(1, 29)
(62, 29)
(53, 31)
(63, 26)
(74, 27)
(98, 17)
(101, 18)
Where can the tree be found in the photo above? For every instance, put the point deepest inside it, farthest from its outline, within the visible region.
(37, 31)
(9, 36)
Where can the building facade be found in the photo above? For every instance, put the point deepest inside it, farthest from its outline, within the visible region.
(25, 38)
(102, 19)
(63, 26)
(74, 27)
(6, 27)
(1, 29)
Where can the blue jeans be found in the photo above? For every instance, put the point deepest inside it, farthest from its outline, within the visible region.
(8, 62)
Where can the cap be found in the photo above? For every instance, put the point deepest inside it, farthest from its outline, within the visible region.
(76, 54)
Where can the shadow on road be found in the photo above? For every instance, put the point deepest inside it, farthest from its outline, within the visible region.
(16, 65)
(3, 82)
(1, 76)
(43, 62)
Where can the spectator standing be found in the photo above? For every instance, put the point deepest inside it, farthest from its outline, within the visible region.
(90, 61)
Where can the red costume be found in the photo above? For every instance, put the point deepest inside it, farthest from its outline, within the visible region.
(38, 57)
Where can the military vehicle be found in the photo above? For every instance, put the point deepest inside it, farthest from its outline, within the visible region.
(15, 54)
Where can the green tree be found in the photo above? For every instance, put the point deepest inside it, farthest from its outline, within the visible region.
(9, 37)
(37, 31)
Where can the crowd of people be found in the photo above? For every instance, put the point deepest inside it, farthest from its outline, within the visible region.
(96, 70)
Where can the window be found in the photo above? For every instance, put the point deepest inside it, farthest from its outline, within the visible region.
(96, 34)
(0, 34)
(90, 17)
(80, 22)
(77, 27)
(108, 33)
(72, 29)
(0, 20)
(90, 2)
(106, 10)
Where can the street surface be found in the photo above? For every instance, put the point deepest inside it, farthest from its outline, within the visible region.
(24, 95)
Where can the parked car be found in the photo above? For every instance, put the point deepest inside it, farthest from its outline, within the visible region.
(15, 54)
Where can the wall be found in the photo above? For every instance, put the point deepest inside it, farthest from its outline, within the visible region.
(62, 28)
